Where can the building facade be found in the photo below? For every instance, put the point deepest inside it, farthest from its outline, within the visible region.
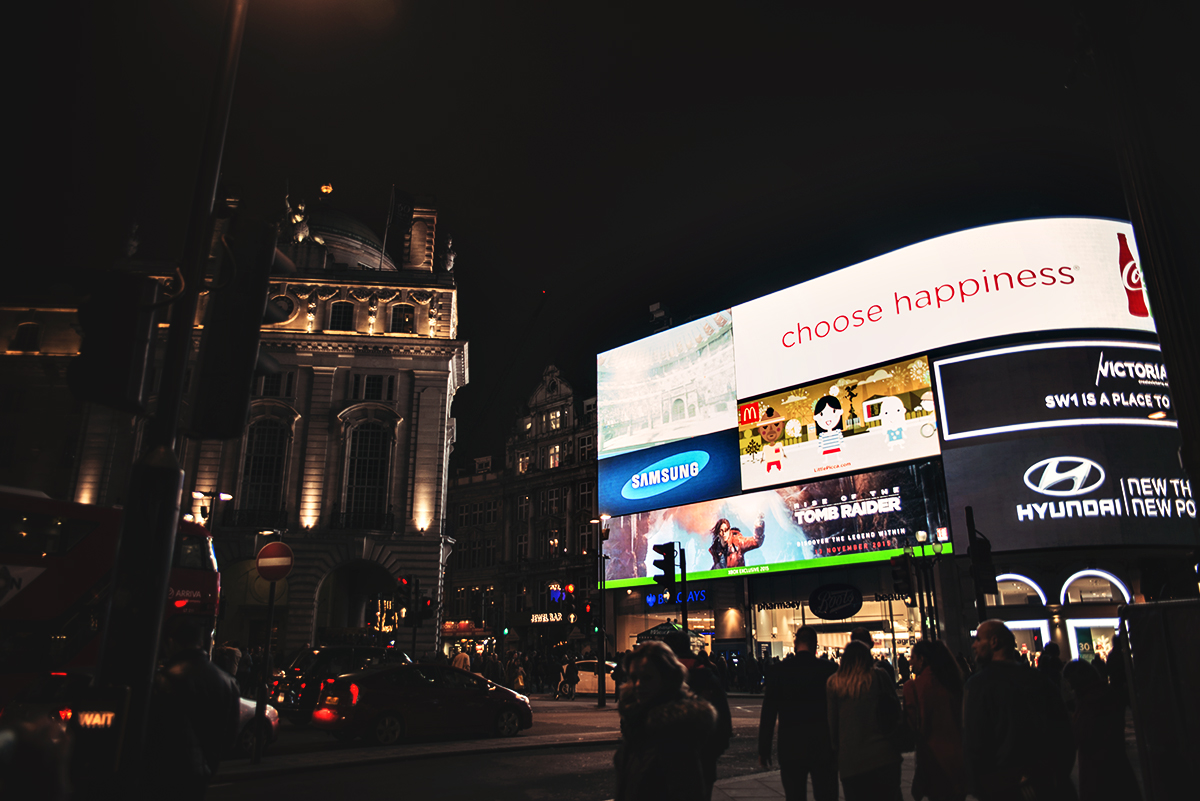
(524, 534)
(345, 451)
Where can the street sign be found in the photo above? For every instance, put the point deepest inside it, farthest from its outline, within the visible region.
(274, 561)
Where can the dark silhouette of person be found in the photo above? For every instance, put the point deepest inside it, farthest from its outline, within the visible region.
(703, 681)
(863, 635)
(193, 714)
(933, 704)
(664, 727)
(863, 711)
(1099, 725)
(795, 695)
(1017, 739)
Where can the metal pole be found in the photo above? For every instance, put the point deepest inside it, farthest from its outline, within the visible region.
(602, 690)
(260, 705)
(683, 594)
(980, 600)
(129, 654)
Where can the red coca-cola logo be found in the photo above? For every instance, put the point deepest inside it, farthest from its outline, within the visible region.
(1132, 276)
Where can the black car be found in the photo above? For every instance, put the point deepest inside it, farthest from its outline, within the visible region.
(296, 689)
(410, 701)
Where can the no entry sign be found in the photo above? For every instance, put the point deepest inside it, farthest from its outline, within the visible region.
(274, 561)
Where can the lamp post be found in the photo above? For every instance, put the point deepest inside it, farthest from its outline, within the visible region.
(601, 689)
(928, 554)
(213, 498)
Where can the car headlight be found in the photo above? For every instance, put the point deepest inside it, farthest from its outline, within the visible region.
(522, 698)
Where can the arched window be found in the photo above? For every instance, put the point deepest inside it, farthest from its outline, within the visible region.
(1017, 590)
(1094, 586)
(341, 316)
(26, 339)
(404, 319)
(367, 475)
(262, 476)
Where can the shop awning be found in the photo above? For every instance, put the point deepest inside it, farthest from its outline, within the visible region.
(661, 631)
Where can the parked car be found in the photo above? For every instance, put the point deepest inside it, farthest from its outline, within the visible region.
(589, 678)
(244, 745)
(296, 689)
(389, 705)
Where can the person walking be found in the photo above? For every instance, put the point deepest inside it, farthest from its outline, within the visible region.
(933, 704)
(1017, 740)
(193, 715)
(1099, 724)
(703, 682)
(863, 709)
(795, 695)
(461, 660)
(663, 728)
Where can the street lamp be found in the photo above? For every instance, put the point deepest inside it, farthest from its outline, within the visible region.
(925, 563)
(213, 498)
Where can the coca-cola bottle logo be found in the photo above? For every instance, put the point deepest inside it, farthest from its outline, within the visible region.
(1132, 276)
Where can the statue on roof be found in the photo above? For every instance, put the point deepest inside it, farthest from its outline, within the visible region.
(448, 257)
(298, 221)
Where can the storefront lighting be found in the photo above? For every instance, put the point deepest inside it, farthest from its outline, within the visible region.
(1024, 579)
(1073, 624)
(1095, 574)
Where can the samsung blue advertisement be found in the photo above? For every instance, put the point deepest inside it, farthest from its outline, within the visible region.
(697, 469)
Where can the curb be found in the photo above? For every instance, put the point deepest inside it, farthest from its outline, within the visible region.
(296, 763)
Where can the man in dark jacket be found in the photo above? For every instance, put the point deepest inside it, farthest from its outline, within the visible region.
(1017, 737)
(796, 694)
(193, 716)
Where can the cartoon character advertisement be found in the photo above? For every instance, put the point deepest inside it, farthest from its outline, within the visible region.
(855, 422)
(858, 518)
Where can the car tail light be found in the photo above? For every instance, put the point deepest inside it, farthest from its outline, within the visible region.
(64, 713)
(325, 713)
(353, 694)
(276, 684)
(302, 685)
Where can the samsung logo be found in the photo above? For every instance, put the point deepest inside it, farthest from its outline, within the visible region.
(666, 474)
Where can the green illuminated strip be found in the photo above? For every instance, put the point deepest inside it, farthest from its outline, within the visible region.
(783, 567)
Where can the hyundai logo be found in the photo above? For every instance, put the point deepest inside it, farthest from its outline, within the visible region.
(1064, 475)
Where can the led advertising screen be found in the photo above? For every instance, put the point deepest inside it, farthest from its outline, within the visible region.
(1051, 385)
(676, 384)
(691, 470)
(855, 422)
(1073, 486)
(1011, 278)
(848, 519)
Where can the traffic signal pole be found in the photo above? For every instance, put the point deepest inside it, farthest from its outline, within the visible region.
(683, 587)
(129, 655)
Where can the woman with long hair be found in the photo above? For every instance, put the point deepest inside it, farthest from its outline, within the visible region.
(862, 709)
(933, 703)
(664, 726)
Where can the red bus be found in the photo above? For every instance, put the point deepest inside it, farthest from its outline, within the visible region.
(56, 572)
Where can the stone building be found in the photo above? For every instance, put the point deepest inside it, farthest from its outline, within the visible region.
(523, 529)
(345, 452)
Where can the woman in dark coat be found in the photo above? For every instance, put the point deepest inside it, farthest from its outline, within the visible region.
(663, 728)
(858, 696)
(933, 703)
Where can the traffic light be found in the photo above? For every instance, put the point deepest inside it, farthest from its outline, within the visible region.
(569, 612)
(983, 571)
(585, 618)
(424, 609)
(902, 575)
(402, 599)
(229, 357)
(666, 564)
(118, 323)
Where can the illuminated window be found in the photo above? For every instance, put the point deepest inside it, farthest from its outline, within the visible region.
(366, 475)
(554, 456)
(1016, 591)
(403, 319)
(262, 476)
(555, 420)
(1094, 587)
(341, 316)
(523, 462)
(26, 339)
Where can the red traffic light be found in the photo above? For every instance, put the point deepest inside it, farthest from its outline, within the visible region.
(427, 603)
(570, 589)
(402, 581)
(587, 609)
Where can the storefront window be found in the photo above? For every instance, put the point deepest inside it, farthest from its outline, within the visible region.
(1094, 586)
(1016, 590)
(1092, 637)
(893, 626)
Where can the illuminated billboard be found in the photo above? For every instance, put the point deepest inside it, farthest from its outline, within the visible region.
(676, 384)
(1011, 278)
(848, 519)
(850, 423)
(696, 469)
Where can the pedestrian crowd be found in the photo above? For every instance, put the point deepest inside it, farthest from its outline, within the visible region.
(1003, 728)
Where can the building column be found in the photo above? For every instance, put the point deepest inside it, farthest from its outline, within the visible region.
(316, 447)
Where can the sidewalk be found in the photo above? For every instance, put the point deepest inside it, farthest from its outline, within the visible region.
(767, 784)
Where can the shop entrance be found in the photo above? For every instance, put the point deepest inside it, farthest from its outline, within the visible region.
(349, 603)
(894, 628)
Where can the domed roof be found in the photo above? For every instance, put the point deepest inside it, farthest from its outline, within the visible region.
(328, 220)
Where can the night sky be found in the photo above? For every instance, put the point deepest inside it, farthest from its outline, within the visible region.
(590, 159)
